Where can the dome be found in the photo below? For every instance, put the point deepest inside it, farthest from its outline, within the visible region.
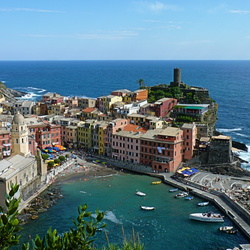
(18, 118)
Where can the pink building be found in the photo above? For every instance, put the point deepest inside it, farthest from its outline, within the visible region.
(126, 143)
(163, 106)
(189, 136)
(162, 149)
(115, 125)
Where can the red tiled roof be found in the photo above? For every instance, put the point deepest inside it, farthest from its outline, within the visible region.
(88, 110)
(134, 128)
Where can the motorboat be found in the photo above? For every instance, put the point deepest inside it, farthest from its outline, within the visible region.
(207, 217)
(181, 195)
(189, 198)
(140, 193)
(156, 182)
(203, 204)
(147, 208)
(228, 229)
(173, 190)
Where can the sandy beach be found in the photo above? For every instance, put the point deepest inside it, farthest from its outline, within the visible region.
(83, 170)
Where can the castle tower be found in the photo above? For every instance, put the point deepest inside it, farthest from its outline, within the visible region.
(177, 78)
(19, 135)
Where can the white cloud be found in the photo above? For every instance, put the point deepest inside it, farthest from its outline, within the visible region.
(239, 11)
(155, 6)
(28, 10)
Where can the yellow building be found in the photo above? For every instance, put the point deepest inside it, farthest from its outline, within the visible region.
(109, 100)
(84, 132)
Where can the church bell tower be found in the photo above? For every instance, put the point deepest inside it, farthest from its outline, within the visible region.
(19, 135)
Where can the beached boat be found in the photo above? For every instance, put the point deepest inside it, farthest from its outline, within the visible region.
(181, 195)
(207, 217)
(156, 182)
(189, 198)
(228, 229)
(173, 190)
(147, 208)
(140, 193)
(203, 204)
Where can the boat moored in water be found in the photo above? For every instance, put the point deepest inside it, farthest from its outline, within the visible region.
(203, 204)
(181, 195)
(156, 182)
(228, 229)
(147, 208)
(140, 193)
(207, 217)
(173, 190)
(189, 198)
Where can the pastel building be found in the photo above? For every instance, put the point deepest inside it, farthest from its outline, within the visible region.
(112, 127)
(126, 144)
(162, 149)
(163, 106)
(189, 136)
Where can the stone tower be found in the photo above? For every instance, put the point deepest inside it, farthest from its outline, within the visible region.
(177, 78)
(19, 135)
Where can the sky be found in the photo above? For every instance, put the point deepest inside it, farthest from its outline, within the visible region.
(125, 30)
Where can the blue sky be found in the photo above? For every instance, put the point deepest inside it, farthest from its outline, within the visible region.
(125, 30)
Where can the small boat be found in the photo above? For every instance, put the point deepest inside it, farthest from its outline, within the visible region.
(207, 217)
(173, 190)
(156, 182)
(181, 195)
(189, 198)
(147, 208)
(140, 193)
(228, 229)
(203, 204)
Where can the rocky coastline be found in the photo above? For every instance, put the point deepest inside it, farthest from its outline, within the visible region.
(10, 94)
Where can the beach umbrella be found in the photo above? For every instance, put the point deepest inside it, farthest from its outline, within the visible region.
(56, 149)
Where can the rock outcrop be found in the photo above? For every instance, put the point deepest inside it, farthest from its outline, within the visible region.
(10, 94)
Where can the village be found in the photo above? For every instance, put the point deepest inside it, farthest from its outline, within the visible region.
(159, 136)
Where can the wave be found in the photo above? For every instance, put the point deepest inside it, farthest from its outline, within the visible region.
(109, 216)
(226, 130)
(246, 157)
(242, 135)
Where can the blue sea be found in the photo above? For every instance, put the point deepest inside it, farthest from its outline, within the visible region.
(168, 227)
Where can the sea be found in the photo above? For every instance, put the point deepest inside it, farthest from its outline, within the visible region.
(168, 226)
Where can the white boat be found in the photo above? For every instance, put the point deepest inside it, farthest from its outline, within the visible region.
(208, 217)
(228, 229)
(147, 208)
(189, 198)
(140, 193)
(181, 195)
(203, 204)
(173, 190)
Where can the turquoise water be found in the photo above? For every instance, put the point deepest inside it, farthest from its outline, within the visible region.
(167, 227)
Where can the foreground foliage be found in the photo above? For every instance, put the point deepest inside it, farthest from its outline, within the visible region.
(82, 236)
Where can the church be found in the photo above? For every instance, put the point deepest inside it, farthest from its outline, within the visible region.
(22, 168)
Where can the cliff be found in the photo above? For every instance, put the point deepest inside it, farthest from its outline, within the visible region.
(10, 94)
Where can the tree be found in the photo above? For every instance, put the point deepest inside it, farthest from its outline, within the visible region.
(61, 158)
(9, 224)
(45, 157)
(141, 83)
(51, 164)
(57, 161)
